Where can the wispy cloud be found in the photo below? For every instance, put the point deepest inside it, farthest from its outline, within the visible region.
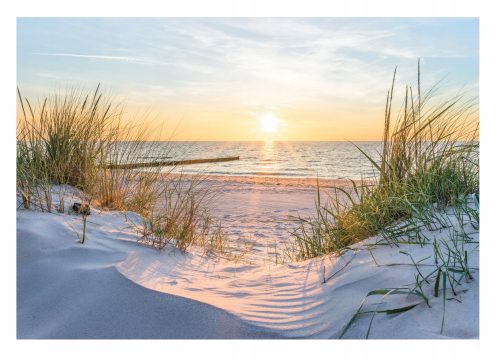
(129, 59)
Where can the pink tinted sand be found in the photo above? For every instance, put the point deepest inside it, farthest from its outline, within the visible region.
(258, 297)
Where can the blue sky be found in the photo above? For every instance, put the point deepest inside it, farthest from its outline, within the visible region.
(235, 69)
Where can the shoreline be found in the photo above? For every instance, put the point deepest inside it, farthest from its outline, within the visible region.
(299, 182)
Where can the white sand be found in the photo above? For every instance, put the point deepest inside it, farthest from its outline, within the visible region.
(110, 287)
(69, 290)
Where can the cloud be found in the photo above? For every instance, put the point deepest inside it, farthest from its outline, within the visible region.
(129, 59)
(261, 62)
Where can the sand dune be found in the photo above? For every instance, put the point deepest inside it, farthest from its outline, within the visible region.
(68, 290)
(110, 287)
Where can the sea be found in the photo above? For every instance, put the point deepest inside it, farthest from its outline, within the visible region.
(326, 160)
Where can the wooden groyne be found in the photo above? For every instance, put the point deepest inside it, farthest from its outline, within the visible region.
(170, 163)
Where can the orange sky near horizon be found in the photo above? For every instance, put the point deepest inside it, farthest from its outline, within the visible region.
(197, 123)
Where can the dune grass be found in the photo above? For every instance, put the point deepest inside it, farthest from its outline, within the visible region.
(429, 156)
(180, 217)
(68, 135)
(75, 138)
(440, 277)
(426, 192)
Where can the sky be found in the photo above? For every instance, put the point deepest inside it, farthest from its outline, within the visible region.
(249, 78)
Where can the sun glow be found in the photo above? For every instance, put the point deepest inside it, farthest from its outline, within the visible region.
(269, 123)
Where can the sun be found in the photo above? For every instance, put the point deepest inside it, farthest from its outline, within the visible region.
(269, 123)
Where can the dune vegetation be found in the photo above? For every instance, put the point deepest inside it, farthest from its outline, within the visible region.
(429, 157)
(76, 139)
(425, 193)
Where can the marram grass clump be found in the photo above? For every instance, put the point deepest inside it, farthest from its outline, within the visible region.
(78, 139)
(429, 156)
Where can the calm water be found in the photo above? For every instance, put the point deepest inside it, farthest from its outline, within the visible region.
(333, 160)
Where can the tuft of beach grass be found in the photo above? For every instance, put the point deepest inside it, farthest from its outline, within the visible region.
(78, 139)
(429, 156)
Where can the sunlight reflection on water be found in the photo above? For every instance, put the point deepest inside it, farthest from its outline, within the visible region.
(333, 160)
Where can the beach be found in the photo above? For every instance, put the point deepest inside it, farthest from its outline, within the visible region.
(111, 287)
(249, 178)
(263, 211)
